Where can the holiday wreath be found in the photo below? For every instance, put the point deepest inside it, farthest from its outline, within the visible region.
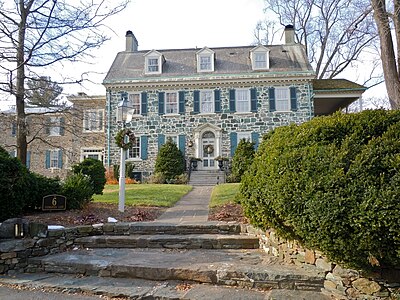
(122, 142)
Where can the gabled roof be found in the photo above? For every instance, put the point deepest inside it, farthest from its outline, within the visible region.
(129, 66)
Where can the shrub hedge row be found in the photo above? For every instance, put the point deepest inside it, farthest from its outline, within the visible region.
(21, 190)
(333, 184)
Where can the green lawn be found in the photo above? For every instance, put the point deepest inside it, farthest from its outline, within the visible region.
(164, 195)
(223, 194)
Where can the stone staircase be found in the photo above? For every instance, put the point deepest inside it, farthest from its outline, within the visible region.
(206, 178)
(166, 261)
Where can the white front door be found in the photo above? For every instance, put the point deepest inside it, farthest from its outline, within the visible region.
(208, 150)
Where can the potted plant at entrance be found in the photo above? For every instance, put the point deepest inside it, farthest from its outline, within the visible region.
(193, 162)
(221, 160)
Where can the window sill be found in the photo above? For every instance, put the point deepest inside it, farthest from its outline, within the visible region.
(207, 114)
(133, 159)
(243, 113)
(172, 115)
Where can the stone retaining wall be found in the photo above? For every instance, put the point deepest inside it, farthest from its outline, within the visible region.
(339, 282)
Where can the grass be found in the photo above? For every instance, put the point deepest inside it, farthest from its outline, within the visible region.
(224, 194)
(162, 195)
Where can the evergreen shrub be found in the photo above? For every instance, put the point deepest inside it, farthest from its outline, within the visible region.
(15, 182)
(170, 161)
(41, 186)
(332, 183)
(242, 160)
(78, 189)
(95, 169)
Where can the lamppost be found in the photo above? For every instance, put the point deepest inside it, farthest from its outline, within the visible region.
(124, 115)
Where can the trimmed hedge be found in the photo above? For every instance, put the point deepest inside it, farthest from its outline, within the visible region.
(95, 169)
(332, 183)
(170, 161)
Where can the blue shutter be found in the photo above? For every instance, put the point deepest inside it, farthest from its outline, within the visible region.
(60, 156)
(28, 159)
(144, 103)
(182, 143)
(182, 102)
(233, 137)
(217, 101)
(14, 129)
(143, 147)
(271, 95)
(232, 104)
(253, 100)
(161, 141)
(62, 125)
(196, 102)
(293, 98)
(47, 160)
(161, 104)
(254, 139)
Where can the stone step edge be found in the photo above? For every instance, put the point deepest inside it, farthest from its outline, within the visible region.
(188, 241)
(235, 278)
(140, 289)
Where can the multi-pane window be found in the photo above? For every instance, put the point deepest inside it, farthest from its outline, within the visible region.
(93, 120)
(282, 99)
(92, 153)
(134, 152)
(54, 159)
(260, 61)
(171, 103)
(152, 65)
(135, 103)
(243, 135)
(242, 100)
(205, 63)
(207, 101)
(55, 126)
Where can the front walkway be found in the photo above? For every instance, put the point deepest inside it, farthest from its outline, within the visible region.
(191, 209)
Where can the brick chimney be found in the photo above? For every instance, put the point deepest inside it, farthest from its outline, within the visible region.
(131, 42)
(289, 34)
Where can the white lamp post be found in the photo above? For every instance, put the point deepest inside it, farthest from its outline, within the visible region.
(124, 114)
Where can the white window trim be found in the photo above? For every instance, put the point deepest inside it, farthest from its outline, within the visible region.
(248, 101)
(137, 112)
(128, 158)
(259, 50)
(202, 92)
(153, 55)
(97, 111)
(86, 150)
(55, 125)
(286, 89)
(243, 135)
(205, 52)
(51, 153)
(177, 103)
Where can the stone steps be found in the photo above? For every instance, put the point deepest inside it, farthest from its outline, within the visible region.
(187, 241)
(242, 268)
(148, 289)
(206, 178)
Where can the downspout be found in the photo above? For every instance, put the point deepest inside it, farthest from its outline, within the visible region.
(108, 128)
(311, 107)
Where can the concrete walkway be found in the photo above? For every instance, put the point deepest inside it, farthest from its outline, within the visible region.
(191, 209)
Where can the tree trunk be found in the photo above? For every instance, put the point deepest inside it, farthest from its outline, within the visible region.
(388, 56)
(20, 91)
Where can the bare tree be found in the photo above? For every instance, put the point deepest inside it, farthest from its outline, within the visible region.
(36, 34)
(335, 32)
(390, 57)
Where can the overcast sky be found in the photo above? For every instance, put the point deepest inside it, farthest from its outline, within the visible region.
(175, 24)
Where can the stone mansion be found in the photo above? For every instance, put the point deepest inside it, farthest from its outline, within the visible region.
(205, 99)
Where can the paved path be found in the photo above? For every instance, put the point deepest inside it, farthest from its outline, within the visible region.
(191, 209)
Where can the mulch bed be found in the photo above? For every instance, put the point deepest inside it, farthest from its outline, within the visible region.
(95, 213)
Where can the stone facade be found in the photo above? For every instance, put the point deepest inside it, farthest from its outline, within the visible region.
(206, 99)
(57, 138)
(340, 282)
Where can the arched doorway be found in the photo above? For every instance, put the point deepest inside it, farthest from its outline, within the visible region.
(208, 150)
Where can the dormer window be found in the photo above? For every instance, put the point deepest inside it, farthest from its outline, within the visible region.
(153, 62)
(205, 60)
(260, 58)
